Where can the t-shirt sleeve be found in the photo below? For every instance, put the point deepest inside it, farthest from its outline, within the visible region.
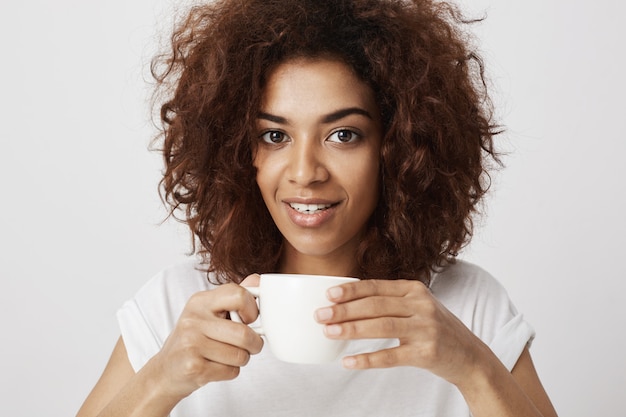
(484, 306)
(511, 339)
(147, 319)
(139, 338)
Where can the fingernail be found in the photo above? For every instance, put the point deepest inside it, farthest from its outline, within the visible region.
(333, 330)
(335, 292)
(323, 314)
(349, 362)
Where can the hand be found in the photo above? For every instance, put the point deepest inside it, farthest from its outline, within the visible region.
(205, 345)
(430, 336)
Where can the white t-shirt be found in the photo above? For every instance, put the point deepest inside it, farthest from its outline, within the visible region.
(269, 387)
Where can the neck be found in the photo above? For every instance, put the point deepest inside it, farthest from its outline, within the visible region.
(294, 262)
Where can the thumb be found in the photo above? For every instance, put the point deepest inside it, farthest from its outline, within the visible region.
(252, 280)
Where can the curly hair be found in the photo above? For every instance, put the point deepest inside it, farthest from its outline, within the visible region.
(430, 87)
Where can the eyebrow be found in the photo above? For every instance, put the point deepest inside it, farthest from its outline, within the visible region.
(329, 118)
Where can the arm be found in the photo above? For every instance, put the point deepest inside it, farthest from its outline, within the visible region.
(500, 393)
(203, 347)
(432, 338)
(138, 396)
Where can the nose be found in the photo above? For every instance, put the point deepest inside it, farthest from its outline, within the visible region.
(307, 164)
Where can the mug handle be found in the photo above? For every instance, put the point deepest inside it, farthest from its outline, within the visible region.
(234, 316)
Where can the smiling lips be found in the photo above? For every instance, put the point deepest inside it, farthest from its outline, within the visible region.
(309, 208)
(310, 214)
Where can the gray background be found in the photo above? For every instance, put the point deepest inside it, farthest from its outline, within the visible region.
(79, 212)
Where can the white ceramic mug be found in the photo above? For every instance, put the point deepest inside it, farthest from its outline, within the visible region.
(287, 303)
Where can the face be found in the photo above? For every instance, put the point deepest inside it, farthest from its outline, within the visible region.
(317, 159)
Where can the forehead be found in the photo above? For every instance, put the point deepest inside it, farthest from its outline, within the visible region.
(307, 80)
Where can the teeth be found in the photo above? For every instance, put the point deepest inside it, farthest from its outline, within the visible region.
(309, 208)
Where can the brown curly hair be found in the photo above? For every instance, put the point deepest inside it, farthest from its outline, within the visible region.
(429, 85)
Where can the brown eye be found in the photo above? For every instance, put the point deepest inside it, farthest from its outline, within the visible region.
(343, 136)
(273, 136)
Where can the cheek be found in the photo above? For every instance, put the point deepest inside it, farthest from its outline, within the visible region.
(364, 182)
(266, 174)
(262, 181)
(369, 172)
(259, 163)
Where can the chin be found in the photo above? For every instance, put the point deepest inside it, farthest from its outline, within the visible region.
(317, 248)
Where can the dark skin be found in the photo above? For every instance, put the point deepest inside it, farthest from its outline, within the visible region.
(206, 347)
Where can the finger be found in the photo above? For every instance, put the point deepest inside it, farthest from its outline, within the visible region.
(235, 334)
(192, 329)
(367, 288)
(225, 298)
(386, 358)
(364, 308)
(224, 353)
(377, 328)
(250, 315)
(225, 331)
(252, 280)
(200, 371)
(220, 372)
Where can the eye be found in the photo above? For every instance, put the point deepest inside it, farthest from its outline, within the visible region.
(343, 136)
(273, 136)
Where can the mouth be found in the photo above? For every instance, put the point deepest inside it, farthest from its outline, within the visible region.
(311, 213)
(310, 208)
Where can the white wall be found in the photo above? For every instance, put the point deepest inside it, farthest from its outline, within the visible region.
(79, 210)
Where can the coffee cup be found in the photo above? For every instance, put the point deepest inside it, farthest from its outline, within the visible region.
(287, 303)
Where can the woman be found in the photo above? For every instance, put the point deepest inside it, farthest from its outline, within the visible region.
(337, 137)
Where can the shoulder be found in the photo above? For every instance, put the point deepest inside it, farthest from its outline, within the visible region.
(160, 301)
(483, 305)
(463, 279)
(474, 296)
(147, 319)
(176, 283)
